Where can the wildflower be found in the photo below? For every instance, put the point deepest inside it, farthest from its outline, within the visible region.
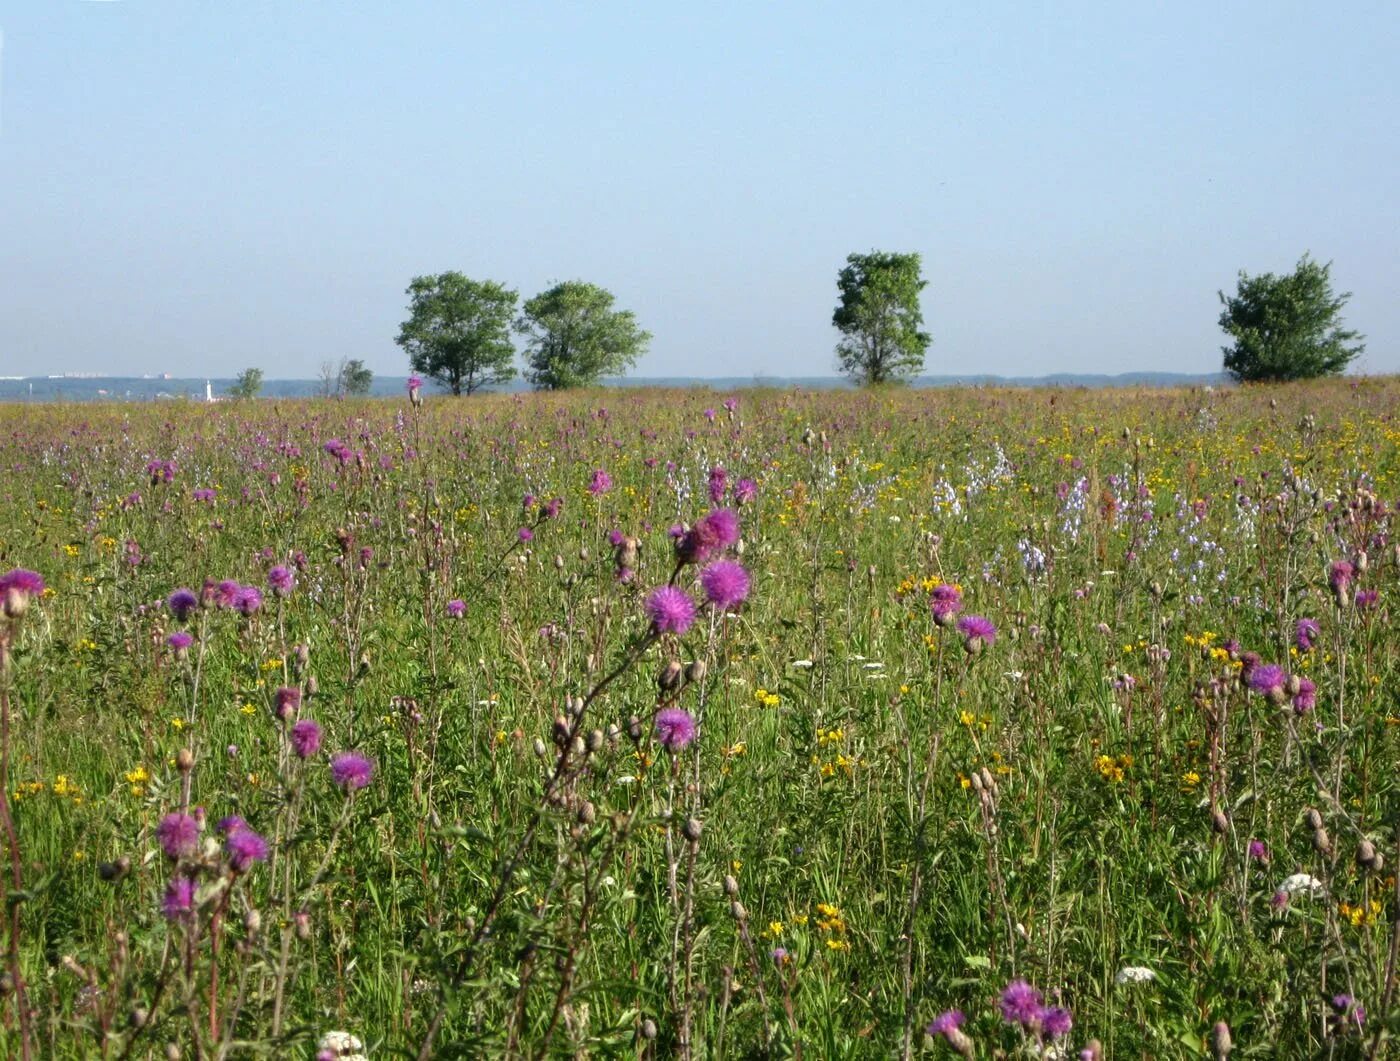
(780, 956)
(16, 587)
(1134, 974)
(415, 386)
(946, 601)
(1349, 1009)
(179, 899)
(244, 848)
(282, 580)
(230, 824)
(178, 835)
(351, 771)
(670, 609)
(1020, 1003)
(1305, 633)
(551, 508)
(726, 583)
(675, 728)
(456, 609)
(712, 533)
(1339, 576)
(601, 482)
(1258, 851)
(745, 490)
(181, 603)
(1267, 679)
(1303, 884)
(288, 701)
(719, 483)
(306, 738)
(1305, 698)
(180, 642)
(947, 1022)
(1055, 1022)
(977, 631)
(525, 534)
(1366, 598)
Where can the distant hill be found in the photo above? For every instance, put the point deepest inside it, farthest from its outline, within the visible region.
(141, 389)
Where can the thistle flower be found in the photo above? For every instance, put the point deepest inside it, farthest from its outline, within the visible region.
(1055, 1022)
(282, 580)
(1020, 1003)
(230, 824)
(180, 642)
(16, 588)
(305, 736)
(182, 602)
(351, 771)
(719, 483)
(179, 899)
(248, 600)
(1366, 598)
(670, 610)
(977, 632)
(525, 534)
(1268, 679)
(288, 701)
(600, 483)
(1258, 851)
(674, 728)
(1305, 633)
(948, 1026)
(946, 602)
(245, 847)
(712, 533)
(1339, 576)
(178, 835)
(745, 490)
(456, 609)
(1305, 699)
(726, 583)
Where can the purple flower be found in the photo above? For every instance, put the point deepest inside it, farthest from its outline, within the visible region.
(1366, 598)
(674, 728)
(178, 835)
(306, 738)
(351, 771)
(245, 847)
(525, 534)
(287, 700)
(181, 603)
(1339, 575)
(1020, 1003)
(719, 482)
(414, 384)
(670, 610)
(745, 490)
(456, 609)
(551, 508)
(179, 641)
(601, 482)
(779, 955)
(1305, 699)
(1304, 634)
(726, 583)
(1258, 851)
(977, 632)
(205, 494)
(282, 580)
(1055, 1022)
(248, 600)
(730, 404)
(226, 593)
(712, 533)
(1267, 679)
(179, 899)
(946, 601)
(945, 1023)
(230, 824)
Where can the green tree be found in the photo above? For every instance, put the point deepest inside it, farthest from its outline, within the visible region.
(458, 331)
(248, 384)
(355, 379)
(879, 317)
(1287, 327)
(574, 337)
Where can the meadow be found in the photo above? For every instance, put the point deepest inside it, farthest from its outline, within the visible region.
(964, 722)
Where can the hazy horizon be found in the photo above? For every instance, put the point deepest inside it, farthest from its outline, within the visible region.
(200, 189)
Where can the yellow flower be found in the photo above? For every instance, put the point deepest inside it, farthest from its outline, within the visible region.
(1190, 779)
(966, 717)
(838, 944)
(177, 723)
(63, 786)
(774, 930)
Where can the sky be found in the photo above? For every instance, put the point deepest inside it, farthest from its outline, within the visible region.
(196, 188)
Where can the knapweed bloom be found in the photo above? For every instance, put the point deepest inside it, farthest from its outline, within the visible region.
(946, 601)
(1020, 1003)
(525, 534)
(600, 483)
(351, 771)
(245, 847)
(1268, 679)
(948, 1027)
(287, 701)
(282, 580)
(711, 534)
(1305, 696)
(726, 583)
(16, 588)
(1339, 575)
(179, 899)
(670, 609)
(1259, 851)
(1367, 598)
(248, 600)
(179, 642)
(178, 835)
(719, 483)
(674, 728)
(306, 738)
(745, 490)
(978, 632)
(182, 603)
(1305, 633)
(1055, 1022)
(456, 609)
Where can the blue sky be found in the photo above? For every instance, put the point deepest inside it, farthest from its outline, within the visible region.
(199, 187)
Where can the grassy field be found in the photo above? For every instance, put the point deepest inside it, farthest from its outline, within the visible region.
(1036, 722)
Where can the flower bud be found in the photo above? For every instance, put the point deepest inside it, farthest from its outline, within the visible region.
(1313, 818)
(696, 670)
(691, 830)
(670, 677)
(252, 923)
(731, 886)
(1220, 1040)
(648, 1029)
(184, 760)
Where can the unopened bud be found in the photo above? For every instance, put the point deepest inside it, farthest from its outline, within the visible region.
(691, 830)
(138, 1017)
(671, 674)
(1219, 822)
(252, 923)
(587, 814)
(184, 760)
(696, 670)
(1366, 854)
(1321, 842)
(301, 920)
(634, 728)
(595, 739)
(560, 733)
(1313, 818)
(1220, 1040)
(731, 886)
(539, 748)
(737, 911)
(648, 1029)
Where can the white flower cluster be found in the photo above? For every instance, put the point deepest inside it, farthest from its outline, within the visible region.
(343, 1046)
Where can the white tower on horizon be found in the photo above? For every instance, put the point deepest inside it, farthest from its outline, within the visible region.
(208, 391)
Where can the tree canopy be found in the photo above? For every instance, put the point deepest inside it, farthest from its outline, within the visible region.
(458, 331)
(1287, 327)
(248, 384)
(879, 317)
(574, 337)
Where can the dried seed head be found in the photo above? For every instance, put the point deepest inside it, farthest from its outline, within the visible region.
(1313, 818)
(540, 749)
(587, 814)
(988, 781)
